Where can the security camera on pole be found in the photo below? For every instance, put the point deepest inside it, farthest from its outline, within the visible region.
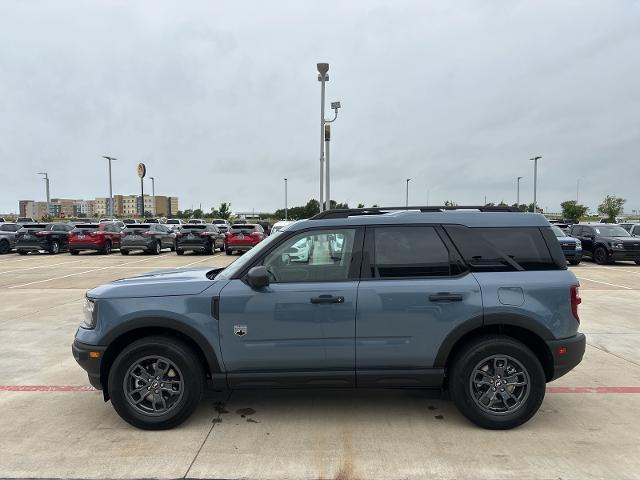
(323, 77)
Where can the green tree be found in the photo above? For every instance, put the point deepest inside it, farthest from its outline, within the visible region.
(611, 206)
(450, 203)
(571, 209)
(361, 205)
(225, 210)
(197, 213)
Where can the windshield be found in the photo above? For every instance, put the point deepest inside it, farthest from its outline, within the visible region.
(242, 228)
(173, 222)
(611, 231)
(218, 222)
(245, 259)
(558, 231)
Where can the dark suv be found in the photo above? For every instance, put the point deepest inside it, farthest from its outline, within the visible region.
(52, 237)
(478, 302)
(199, 238)
(148, 237)
(606, 243)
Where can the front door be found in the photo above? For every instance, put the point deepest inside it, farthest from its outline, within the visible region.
(415, 295)
(299, 330)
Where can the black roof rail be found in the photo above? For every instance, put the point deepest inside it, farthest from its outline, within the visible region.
(348, 212)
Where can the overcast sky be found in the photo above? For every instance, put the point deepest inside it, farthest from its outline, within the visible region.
(221, 101)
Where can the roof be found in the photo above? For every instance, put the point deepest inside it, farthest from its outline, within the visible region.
(467, 218)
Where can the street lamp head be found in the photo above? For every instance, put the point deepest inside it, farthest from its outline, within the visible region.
(323, 68)
(535, 158)
(335, 105)
(108, 157)
(520, 178)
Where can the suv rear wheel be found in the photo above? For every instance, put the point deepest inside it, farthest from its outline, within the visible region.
(497, 382)
(4, 247)
(54, 249)
(156, 383)
(106, 250)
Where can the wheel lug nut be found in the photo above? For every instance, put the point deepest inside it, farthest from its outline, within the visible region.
(494, 389)
(156, 391)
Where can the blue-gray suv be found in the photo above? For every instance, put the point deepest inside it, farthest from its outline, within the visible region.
(475, 301)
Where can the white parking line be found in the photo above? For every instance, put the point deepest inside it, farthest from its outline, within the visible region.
(22, 269)
(193, 263)
(79, 273)
(604, 283)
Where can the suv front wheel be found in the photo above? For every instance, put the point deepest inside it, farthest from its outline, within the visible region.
(497, 382)
(156, 383)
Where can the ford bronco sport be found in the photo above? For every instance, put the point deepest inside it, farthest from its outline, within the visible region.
(474, 300)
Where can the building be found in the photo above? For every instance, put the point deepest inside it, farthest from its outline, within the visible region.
(123, 206)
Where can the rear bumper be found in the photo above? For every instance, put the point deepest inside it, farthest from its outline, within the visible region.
(90, 365)
(32, 246)
(196, 246)
(566, 353)
(85, 246)
(144, 245)
(239, 247)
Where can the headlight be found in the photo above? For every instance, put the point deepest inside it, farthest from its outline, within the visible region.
(89, 320)
(578, 244)
(617, 245)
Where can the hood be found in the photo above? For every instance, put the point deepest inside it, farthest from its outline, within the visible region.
(567, 239)
(163, 283)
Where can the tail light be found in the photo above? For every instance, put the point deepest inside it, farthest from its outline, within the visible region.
(575, 301)
(178, 234)
(255, 234)
(41, 233)
(147, 234)
(204, 234)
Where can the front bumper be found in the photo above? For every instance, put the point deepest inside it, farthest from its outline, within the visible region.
(566, 353)
(90, 364)
(572, 254)
(624, 255)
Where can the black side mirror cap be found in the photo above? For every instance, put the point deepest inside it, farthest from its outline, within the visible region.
(258, 277)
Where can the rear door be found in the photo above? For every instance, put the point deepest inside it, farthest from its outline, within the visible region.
(413, 293)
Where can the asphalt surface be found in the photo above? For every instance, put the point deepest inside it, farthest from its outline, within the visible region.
(54, 426)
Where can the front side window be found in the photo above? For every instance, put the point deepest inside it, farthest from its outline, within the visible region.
(406, 252)
(316, 256)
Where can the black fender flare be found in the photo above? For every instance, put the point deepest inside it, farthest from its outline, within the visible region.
(491, 320)
(169, 324)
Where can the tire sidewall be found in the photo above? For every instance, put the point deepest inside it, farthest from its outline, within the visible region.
(177, 352)
(55, 248)
(5, 247)
(475, 352)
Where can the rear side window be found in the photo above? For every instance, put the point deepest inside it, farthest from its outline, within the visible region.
(9, 228)
(507, 249)
(405, 252)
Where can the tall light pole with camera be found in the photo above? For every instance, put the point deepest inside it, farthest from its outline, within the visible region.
(323, 77)
(46, 182)
(535, 182)
(110, 210)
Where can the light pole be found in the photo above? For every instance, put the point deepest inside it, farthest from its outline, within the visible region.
(407, 195)
(286, 214)
(46, 182)
(578, 190)
(153, 195)
(427, 197)
(323, 77)
(535, 182)
(518, 192)
(110, 159)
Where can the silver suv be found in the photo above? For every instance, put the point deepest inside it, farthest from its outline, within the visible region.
(8, 237)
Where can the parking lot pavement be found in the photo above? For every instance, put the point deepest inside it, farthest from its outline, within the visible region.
(55, 426)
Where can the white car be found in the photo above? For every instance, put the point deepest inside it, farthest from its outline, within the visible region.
(278, 226)
(196, 221)
(175, 224)
(301, 251)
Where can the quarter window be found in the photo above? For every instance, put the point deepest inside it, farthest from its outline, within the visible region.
(405, 252)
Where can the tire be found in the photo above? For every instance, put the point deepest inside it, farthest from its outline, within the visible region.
(180, 252)
(637, 262)
(54, 249)
(4, 247)
(173, 247)
(211, 248)
(467, 394)
(574, 262)
(74, 252)
(228, 252)
(600, 256)
(157, 249)
(178, 361)
(22, 252)
(106, 250)
(124, 252)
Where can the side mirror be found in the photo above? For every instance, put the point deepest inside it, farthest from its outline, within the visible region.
(258, 277)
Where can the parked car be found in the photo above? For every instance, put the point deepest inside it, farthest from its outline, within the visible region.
(635, 230)
(130, 221)
(628, 225)
(102, 237)
(151, 220)
(606, 243)
(266, 226)
(196, 221)
(148, 237)
(243, 237)
(199, 238)
(222, 224)
(25, 220)
(2, 220)
(278, 226)
(174, 224)
(8, 232)
(480, 304)
(571, 247)
(52, 237)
